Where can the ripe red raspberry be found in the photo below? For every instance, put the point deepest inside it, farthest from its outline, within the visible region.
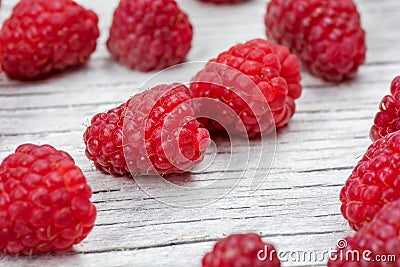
(325, 34)
(217, 2)
(374, 182)
(271, 67)
(150, 34)
(160, 134)
(44, 201)
(244, 250)
(44, 36)
(387, 120)
(376, 244)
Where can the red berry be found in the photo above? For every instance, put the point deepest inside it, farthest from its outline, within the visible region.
(244, 250)
(387, 120)
(217, 2)
(325, 34)
(44, 36)
(271, 67)
(376, 244)
(44, 201)
(154, 131)
(374, 182)
(150, 34)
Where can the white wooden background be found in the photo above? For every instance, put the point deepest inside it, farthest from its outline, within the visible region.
(297, 208)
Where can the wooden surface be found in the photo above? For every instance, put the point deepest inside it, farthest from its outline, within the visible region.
(296, 208)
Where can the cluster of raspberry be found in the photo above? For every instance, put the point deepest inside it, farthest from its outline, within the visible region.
(44, 197)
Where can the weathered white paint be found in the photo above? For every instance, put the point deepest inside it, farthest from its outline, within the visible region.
(297, 207)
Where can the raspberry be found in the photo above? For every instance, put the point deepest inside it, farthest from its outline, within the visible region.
(377, 243)
(218, 2)
(271, 67)
(149, 34)
(374, 182)
(43, 36)
(325, 34)
(158, 125)
(44, 201)
(242, 250)
(387, 120)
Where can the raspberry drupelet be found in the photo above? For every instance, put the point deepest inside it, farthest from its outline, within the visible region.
(326, 34)
(41, 37)
(153, 132)
(44, 202)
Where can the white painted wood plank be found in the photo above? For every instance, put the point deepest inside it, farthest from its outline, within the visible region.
(297, 207)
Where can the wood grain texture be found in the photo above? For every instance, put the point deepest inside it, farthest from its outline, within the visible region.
(296, 208)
